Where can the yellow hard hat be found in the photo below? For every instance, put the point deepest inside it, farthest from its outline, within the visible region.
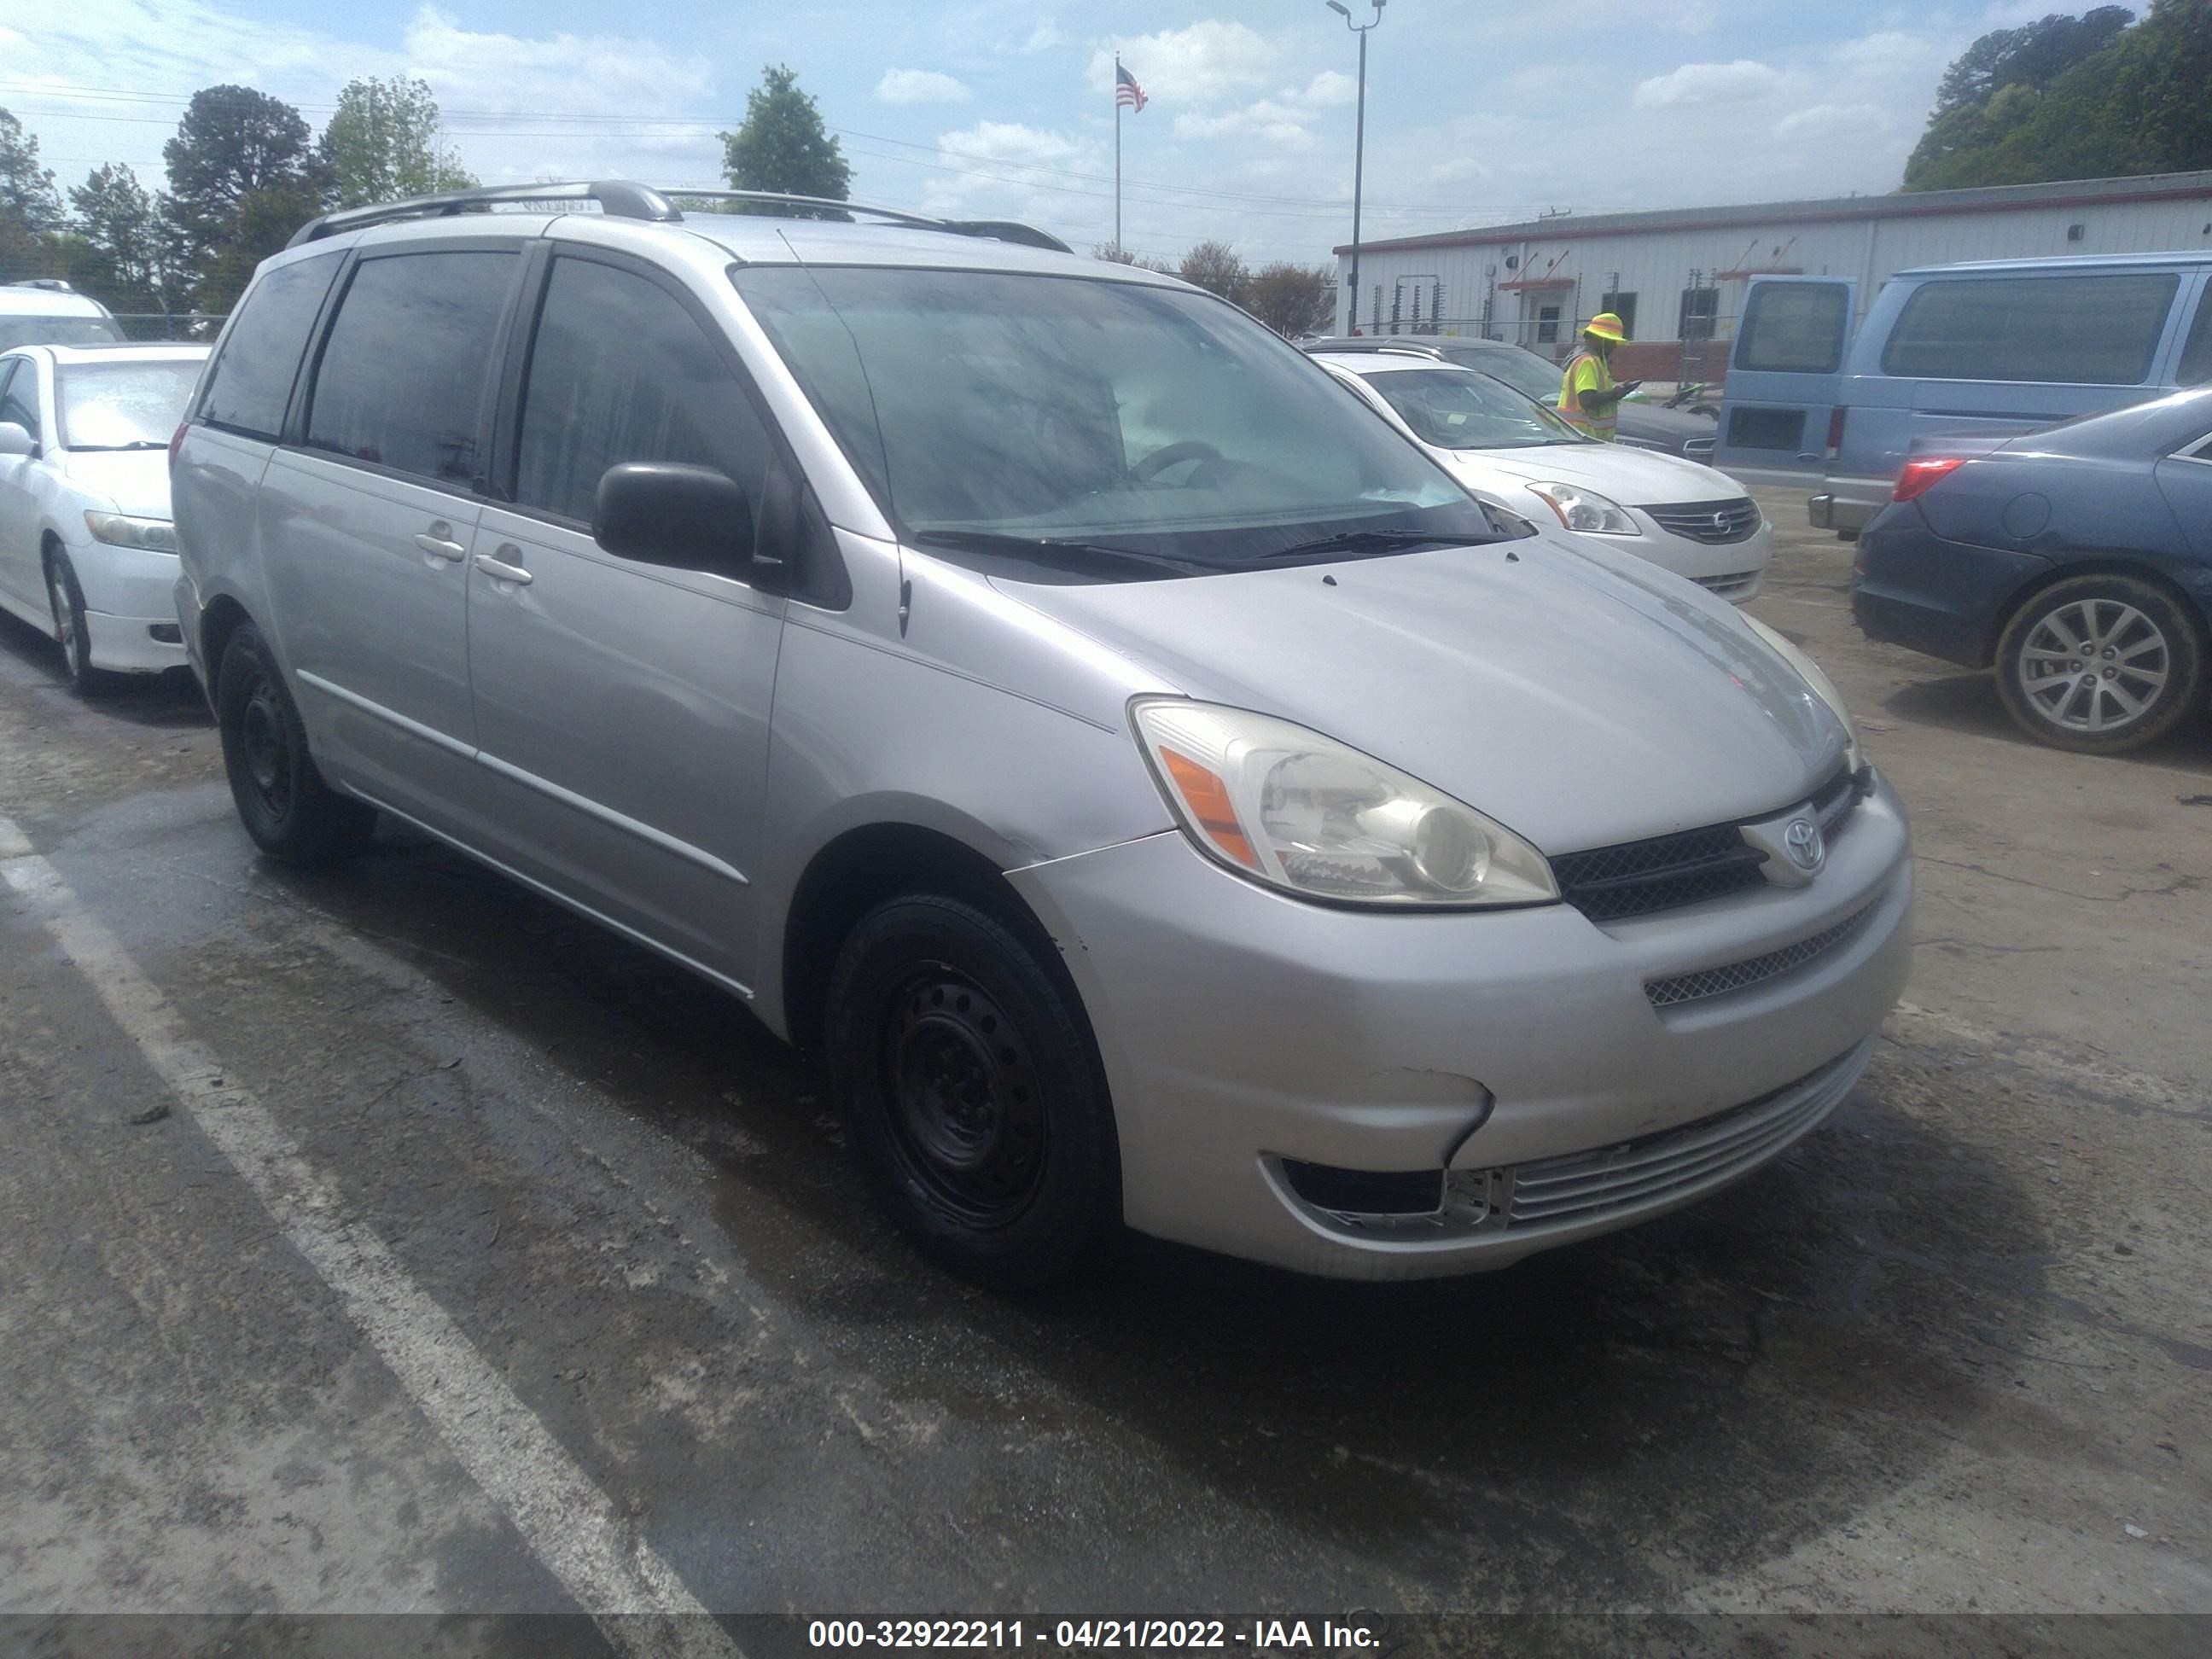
(1605, 326)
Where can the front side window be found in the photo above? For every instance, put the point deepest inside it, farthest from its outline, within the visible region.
(1080, 410)
(1457, 408)
(19, 398)
(250, 381)
(1795, 328)
(403, 379)
(620, 372)
(122, 405)
(2071, 330)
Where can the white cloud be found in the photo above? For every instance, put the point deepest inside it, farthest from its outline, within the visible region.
(1021, 173)
(1205, 63)
(1044, 38)
(1331, 87)
(1736, 83)
(1832, 121)
(905, 86)
(1451, 173)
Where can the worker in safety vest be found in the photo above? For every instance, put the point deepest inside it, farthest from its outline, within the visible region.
(1589, 401)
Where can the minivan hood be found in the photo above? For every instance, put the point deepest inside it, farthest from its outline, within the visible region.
(1573, 699)
(1634, 477)
(135, 480)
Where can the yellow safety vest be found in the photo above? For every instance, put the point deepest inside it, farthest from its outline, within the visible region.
(1587, 372)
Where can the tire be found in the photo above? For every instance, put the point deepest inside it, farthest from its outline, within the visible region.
(2099, 665)
(971, 1092)
(65, 599)
(290, 812)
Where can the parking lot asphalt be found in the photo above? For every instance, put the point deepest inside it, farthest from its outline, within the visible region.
(478, 1253)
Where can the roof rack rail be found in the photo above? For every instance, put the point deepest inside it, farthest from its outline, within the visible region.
(1403, 348)
(621, 198)
(51, 284)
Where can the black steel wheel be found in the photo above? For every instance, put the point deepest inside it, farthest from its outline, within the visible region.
(971, 1090)
(2100, 664)
(282, 798)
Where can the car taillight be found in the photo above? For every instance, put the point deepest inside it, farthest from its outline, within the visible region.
(1921, 477)
(177, 442)
(1835, 429)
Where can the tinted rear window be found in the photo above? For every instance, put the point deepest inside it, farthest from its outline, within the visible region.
(1795, 328)
(251, 379)
(2197, 356)
(402, 381)
(2076, 330)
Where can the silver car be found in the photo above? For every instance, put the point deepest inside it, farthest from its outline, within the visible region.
(1163, 795)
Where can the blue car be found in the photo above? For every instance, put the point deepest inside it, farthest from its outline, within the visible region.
(2076, 560)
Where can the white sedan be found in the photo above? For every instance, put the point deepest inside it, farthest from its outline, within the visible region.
(1680, 515)
(86, 549)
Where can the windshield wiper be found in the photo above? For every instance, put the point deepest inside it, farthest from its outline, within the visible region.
(1068, 556)
(1359, 541)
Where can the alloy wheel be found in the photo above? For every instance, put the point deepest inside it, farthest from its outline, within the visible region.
(2093, 665)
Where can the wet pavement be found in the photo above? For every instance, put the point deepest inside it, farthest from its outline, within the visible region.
(1953, 1353)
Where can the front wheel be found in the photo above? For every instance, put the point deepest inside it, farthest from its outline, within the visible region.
(970, 1092)
(2100, 664)
(287, 809)
(66, 598)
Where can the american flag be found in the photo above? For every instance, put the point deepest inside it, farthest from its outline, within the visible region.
(1127, 95)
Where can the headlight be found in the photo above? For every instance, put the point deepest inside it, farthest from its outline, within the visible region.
(1823, 687)
(1586, 510)
(1301, 812)
(120, 530)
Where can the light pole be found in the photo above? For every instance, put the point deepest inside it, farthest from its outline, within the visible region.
(1358, 147)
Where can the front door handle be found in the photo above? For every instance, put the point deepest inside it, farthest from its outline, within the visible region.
(500, 571)
(438, 543)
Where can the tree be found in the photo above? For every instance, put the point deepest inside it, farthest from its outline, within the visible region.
(1215, 267)
(235, 146)
(2074, 98)
(1121, 255)
(27, 198)
(783, 145)
(382, 144)
(1292, 300)
(262, 223)
(122, 262)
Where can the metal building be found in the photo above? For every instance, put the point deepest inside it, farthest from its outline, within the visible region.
(1678, 276)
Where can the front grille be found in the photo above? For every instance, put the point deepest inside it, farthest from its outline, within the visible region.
(1638, 1173)
(1637, 877)
(1710, 522)
(1753, 970)
(1728, 587)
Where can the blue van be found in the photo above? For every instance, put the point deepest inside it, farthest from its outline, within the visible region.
(1997, 346)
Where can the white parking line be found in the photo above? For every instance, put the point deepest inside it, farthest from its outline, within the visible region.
(571, 1525)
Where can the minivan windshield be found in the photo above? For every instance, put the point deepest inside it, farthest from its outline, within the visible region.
(126, 405)
(1459, 409)
(1081, 417)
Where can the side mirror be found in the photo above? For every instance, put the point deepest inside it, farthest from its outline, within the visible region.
(687, 518)
(15, 441)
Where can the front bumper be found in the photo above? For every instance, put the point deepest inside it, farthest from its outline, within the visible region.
(131, 621)
(1242, 1028)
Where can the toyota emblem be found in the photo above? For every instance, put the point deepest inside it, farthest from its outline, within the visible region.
(1805, 844)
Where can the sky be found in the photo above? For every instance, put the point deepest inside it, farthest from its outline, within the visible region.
(1476, 113)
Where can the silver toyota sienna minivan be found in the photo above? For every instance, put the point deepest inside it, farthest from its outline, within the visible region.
(1163, 795)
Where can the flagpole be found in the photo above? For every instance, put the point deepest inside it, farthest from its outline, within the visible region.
(1117, 152)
